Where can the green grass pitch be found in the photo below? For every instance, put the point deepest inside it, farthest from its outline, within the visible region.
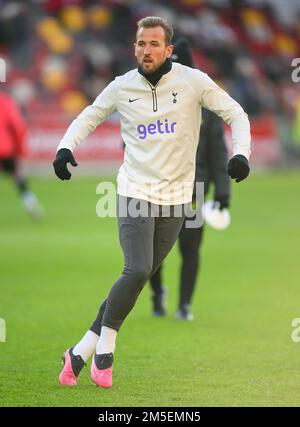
(237, 352)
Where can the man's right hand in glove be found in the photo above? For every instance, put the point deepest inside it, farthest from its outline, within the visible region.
(63, 156)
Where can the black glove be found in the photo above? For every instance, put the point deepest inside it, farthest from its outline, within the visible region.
(238, 167)
(221, 201)
(63, 156)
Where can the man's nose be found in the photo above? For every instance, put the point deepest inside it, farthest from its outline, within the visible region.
(147, 50)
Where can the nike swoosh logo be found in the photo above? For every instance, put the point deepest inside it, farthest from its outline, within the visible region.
(132, 100)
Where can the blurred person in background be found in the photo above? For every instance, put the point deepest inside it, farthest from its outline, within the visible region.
(211, 165)
(13, 132)
(159, 105)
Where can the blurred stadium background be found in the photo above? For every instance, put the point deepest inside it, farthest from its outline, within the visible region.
(59, 55)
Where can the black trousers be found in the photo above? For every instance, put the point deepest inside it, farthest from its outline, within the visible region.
(189, 240)
(145, 241)
(9, 165)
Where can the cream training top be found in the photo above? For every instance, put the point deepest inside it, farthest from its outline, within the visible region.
(160, 128)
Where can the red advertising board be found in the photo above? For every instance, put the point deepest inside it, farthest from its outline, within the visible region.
(265, 143)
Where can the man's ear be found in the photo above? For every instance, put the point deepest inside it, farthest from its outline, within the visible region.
(170, 50)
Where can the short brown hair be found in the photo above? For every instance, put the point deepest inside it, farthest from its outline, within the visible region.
(156, 21)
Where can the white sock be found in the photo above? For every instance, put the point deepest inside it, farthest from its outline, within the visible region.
(87, 346)
(29, 199)
(32, 204)
(107, 341)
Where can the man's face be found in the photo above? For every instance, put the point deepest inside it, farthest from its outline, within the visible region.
(150, 49)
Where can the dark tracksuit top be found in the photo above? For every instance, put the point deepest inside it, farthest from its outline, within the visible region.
(211, 168)
(212, 157)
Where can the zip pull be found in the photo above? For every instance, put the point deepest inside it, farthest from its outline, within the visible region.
(154, 99)
(154, 96)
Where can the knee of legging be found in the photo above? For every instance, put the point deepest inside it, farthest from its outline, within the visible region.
(138, 274)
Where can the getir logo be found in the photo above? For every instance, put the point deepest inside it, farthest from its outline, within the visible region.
(160, 127)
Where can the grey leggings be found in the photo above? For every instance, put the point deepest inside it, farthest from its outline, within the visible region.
(145, 242)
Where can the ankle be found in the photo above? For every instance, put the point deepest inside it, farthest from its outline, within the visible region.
(104, 361)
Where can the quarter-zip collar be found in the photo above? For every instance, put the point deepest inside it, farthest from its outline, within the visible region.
(154, 78)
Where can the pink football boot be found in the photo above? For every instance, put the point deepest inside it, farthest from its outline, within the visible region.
(101, 370)
(72, 367)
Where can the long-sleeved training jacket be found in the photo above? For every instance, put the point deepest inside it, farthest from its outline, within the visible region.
(160, 128)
